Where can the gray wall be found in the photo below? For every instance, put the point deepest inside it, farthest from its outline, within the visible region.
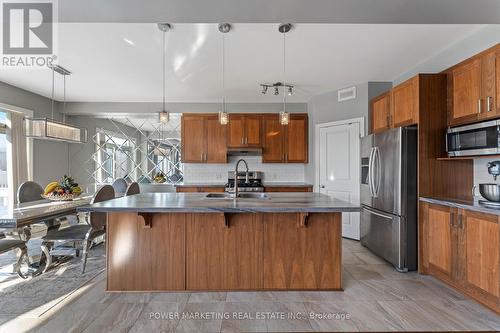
(325, 108)
(480, 40)
(50, 159)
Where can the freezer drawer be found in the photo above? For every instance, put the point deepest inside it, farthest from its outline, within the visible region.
(384, 234)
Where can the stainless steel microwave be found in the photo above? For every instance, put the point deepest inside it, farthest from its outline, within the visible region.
(475, 139)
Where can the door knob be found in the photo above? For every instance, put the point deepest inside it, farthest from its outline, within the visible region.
(322, 186)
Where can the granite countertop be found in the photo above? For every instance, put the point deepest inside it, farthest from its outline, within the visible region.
(473, 205)
(198, 202)
(274, 184)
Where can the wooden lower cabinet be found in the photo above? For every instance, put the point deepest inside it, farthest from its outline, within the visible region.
(194, 189)
(132, 260)
(314, 259)
(462, 247)
(221, 256)
(217, 251)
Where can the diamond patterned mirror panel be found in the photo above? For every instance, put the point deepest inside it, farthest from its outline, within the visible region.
(137, 148)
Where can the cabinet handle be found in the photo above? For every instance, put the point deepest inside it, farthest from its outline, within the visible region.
(206, 156)
(488, 103)
(460, 223)
(388, 121)
(202, 156)
(479, 105)
(242, 140)
(452, 218)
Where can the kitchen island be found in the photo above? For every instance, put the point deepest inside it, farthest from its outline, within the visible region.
(188, 241)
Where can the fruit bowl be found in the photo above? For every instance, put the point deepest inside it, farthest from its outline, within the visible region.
(64, 190)
(60, 197)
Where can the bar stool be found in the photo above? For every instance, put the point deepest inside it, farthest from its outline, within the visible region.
(133, 189)
(120, 186)
(7, 245)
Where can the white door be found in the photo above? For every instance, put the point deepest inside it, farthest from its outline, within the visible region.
(339, 165)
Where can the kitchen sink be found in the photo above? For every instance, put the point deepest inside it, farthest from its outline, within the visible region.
(244, 195)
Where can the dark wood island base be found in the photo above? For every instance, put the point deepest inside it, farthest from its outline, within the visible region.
(223, 251)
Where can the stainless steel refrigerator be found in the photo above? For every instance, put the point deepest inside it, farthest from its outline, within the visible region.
(389, 196)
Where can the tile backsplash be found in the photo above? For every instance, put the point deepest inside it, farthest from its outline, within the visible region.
(217, 173)
(481, 174)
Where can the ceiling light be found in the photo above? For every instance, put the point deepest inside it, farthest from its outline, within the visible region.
(276, 91)
(290, 91)
(284, 116)
(223, 115)
(264, 89)
(50, 129)
(164, 115)
(128, 41)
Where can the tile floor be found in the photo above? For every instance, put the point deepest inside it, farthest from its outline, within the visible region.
(376, 298)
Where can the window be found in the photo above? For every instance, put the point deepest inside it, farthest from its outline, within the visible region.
(4, 183)
(115, 157)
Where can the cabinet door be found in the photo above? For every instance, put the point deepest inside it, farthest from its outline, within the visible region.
(224, 257)
(465, 92)
(439, 231)
(405, 103)
(216, 151)
(236, 131)
(488, 83)
(273, 145)
(497, 80)
(252, 130)
(481, 251)
(193, 139)
(296, 139)
(381, 113)
(312, 262)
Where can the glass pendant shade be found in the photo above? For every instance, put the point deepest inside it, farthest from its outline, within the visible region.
(163, 117)
(223, 118)
(44, 128)
(284, 118)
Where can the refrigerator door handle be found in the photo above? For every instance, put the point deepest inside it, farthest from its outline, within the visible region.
(370, 172)
(379, 170)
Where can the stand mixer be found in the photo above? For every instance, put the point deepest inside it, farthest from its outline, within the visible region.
(490, 191)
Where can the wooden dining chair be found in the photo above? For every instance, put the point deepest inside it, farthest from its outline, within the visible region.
(133, 189)
(94, 227)
(120, 185)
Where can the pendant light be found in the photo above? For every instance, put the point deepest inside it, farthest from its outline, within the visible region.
(223, 115)
(51, 129)
(284, 116)
(164, 116)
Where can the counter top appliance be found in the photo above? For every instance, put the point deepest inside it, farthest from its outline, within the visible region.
(254, 183)
(389, 196)
(476, 139)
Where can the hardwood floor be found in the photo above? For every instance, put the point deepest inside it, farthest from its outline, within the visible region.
(376, 298)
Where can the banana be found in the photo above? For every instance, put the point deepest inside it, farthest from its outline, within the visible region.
(50, 187)
(77, 190)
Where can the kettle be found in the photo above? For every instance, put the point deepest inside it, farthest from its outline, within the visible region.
(494, 169)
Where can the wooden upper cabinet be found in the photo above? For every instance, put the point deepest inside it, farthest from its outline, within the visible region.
(296, 147)
(440, 238)
(481, 251)
(203, 139)
(473, 88)
(404, 103)
(273, 149)
(381, 113)
(244, 131)
(216, 149)
(193, 145)
(285, 143)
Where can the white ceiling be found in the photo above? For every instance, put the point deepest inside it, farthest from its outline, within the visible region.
(320, 57)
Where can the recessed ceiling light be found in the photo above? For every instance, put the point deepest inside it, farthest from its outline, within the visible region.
(128, 41)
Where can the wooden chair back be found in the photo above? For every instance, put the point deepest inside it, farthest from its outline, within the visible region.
(133, 189)
(96, 219)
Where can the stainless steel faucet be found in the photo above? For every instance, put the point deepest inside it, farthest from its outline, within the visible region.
(236, 176)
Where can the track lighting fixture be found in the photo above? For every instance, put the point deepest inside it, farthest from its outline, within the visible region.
(277, 86)
(264, 89)
(276, 91)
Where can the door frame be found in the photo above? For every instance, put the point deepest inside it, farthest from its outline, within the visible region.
(359, 120)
